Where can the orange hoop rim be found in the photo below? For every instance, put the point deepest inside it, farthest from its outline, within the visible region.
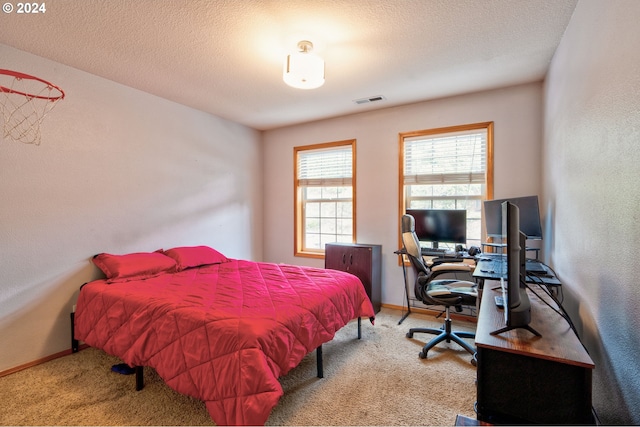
(19, 75)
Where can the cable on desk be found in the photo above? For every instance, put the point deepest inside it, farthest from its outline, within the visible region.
(560, 288)
(553, 273)
(563, 313)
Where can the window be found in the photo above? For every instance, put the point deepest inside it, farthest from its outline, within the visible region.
(448, 168)
(324, 197)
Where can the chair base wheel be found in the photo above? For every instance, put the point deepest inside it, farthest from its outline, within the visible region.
(423, 355)
(409, 335)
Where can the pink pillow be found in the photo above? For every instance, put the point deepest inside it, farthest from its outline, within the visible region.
(140, 265)
(195, 256)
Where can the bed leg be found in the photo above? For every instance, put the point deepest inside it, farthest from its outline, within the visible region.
(139, 378)
(319, 362)
(359, 328)
(74, 341)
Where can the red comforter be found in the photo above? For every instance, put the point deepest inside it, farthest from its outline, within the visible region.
(222, 333)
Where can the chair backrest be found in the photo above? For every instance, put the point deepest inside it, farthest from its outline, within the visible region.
(412, 244)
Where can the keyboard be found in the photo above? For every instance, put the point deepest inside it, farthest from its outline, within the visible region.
(427, 251)
(490, 259)
(493, 268)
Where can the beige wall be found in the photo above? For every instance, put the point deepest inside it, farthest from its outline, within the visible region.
(516, 112)
(118, 171)
(591, 171)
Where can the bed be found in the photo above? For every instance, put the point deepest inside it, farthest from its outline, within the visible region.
(218, 329)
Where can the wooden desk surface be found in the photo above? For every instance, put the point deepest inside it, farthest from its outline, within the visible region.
(558, 342)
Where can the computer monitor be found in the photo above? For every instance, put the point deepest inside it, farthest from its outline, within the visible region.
(529, 216)
(517, 306)
(440, 225)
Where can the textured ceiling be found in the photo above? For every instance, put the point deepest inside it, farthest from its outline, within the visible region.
(225, 56)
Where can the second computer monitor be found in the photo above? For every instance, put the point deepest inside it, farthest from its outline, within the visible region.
(529, 216)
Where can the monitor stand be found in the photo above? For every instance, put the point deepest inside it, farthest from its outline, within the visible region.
(518, 317)
(510, 328)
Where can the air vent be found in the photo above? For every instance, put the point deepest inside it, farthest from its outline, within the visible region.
(370, 99)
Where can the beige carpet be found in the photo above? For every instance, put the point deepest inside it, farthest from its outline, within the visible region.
(379, 380)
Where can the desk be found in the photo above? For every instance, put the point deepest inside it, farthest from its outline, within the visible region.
(524, 379)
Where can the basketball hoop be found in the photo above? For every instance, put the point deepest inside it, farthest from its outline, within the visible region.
(24, 102)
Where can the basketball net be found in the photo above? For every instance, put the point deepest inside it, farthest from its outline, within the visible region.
(24, 102)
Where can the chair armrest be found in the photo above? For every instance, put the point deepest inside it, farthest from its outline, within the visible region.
(452, 267)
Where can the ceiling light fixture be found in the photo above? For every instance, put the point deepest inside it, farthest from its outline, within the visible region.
(303, 69)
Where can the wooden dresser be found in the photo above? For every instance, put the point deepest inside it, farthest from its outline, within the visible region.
(361, 260)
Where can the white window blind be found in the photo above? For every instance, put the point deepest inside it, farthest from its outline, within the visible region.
(325, 167)
(453, 158)
(324, 196)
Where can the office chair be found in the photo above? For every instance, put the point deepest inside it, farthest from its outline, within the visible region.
(446, 292)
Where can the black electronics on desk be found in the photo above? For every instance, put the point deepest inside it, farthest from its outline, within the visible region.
(517, 307)
(440, 226)
(510, 268)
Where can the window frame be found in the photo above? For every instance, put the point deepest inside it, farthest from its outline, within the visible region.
(489, 171)
(299, 233)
